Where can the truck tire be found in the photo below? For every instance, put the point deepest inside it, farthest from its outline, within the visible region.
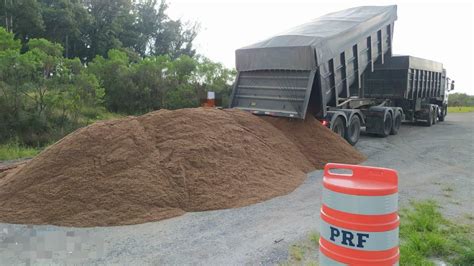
(429, 120)
(397, 121)
(443, 113)
(387, 124)
(353, 130)
(338, 127)
(435, 115)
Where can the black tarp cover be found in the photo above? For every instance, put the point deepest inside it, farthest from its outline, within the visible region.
(307, 46)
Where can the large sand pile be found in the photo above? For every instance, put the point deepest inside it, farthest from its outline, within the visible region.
(316, 142)
(162, 164)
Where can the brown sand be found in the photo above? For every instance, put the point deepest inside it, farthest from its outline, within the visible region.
(162, 164)
(316, 142)
(10, 166)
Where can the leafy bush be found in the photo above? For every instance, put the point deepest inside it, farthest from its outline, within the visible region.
(44, 96)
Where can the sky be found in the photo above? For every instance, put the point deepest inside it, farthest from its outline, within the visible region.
(438, 30)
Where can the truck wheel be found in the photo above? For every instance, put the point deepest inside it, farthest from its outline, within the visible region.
(429, 120)
(387, 124)
(443, 113)
(435, 115)
(397, 121)
(338, 127)
(353, 130)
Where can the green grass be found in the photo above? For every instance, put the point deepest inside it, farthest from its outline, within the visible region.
(314, 238)
(92, 115)
(13, 150)
(460, 109)
(108, 116)
(304, 252)
(297, 252)
(425, 236)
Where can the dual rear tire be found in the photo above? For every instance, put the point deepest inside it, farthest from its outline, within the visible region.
(339, 127)
(353, 130)
(397, 122)
(432, 117)
(442, 113)
(384, 121)
(351, 133)
(391, 124)
(387, 124)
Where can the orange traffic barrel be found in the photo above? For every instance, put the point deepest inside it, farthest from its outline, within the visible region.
(359, 216)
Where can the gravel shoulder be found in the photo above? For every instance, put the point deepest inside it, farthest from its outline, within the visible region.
(433, 163)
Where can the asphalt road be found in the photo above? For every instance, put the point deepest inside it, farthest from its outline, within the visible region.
(433, 163)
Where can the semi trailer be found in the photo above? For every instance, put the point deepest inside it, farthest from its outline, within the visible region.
(340, 69)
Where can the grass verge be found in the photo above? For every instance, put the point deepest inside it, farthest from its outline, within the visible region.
(14, 150)
(304, 252)
(460, 109)
(425, 237)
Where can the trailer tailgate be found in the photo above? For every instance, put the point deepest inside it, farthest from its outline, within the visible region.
(273, 92)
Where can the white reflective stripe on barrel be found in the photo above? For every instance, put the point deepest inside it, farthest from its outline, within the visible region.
(326, 261)
(366, 205)
(359, 240)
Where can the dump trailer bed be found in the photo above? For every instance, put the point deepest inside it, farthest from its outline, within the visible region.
(417, 85)
(405, 77)
(312, 66)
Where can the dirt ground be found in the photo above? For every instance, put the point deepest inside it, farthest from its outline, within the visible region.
(433, 163)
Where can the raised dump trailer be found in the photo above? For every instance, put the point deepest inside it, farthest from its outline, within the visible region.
(315, 64)
(335, 68)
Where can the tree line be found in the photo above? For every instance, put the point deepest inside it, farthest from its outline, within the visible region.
(461, 99)
(67, 63)
(86, 28)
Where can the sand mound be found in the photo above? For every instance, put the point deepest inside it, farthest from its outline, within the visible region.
(316, 142)
(162, 164)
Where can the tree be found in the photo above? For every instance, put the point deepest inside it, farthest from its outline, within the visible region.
(211, 76)
(175, 39)
(180, 92)
(86, 28)
(149, 21)
(108, 17)
(151, 75)
(42, 94)
(115, 76)
(7, 41)
(23, 17)
(66, 22)
(461, 99)
(182, 96)
(11, 100)
(63, 62)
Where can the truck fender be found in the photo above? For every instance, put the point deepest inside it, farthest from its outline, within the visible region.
(375, 117)
(378, 111)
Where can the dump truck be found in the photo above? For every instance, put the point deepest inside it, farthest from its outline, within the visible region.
(340, 69)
